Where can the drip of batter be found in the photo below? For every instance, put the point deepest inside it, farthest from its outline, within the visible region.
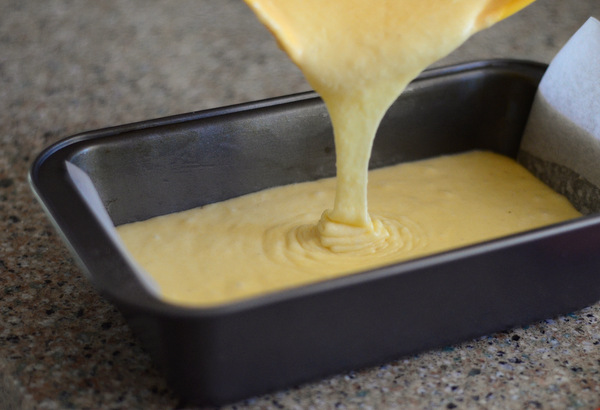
(359, 56)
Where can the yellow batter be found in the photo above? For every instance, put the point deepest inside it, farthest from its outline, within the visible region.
(358, 55)
(267, 241)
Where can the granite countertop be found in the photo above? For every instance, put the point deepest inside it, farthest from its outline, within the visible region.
(68, 66)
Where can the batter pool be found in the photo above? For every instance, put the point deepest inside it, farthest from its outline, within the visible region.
(269, 240)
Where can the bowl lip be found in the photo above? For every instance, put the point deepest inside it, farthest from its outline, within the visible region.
(64, 149)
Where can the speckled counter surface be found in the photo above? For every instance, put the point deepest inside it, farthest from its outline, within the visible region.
(71, 65)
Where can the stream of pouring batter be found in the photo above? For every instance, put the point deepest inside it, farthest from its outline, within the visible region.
(359, 56)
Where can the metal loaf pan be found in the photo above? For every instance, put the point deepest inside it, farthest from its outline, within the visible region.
(234, 351)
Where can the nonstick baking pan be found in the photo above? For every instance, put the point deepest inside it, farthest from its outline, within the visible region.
(233, 351)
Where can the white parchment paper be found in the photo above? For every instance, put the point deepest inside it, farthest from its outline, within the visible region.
(564, 124)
